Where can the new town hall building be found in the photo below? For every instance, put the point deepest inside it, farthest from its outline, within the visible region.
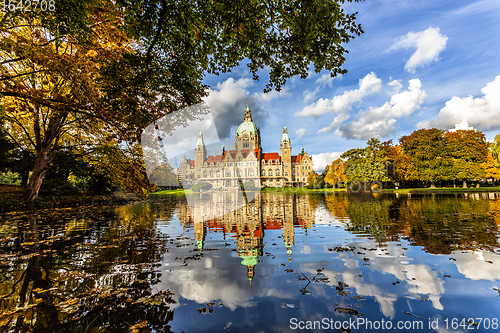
(247, 162)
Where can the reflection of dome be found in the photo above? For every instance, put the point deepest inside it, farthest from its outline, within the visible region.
(246, 126)
(250, 261)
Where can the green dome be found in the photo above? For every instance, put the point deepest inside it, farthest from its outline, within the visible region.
(246, 126)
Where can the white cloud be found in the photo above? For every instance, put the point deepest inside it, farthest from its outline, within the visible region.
(301, 132)
(227, 101)
(429, 44)
(326, 80)
(368, 85)
(395, 86)
(320, 161)
(309, 95)
(335, 123)
(380, 121)
(482, 113)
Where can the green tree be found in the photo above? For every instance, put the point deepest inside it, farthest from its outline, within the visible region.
(467, 152)
(366, 165)
(426, 149)
(495, 149)
(96, 71)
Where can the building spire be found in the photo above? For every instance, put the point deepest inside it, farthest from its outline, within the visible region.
(285, 134)
(248, 115)
(200, 140)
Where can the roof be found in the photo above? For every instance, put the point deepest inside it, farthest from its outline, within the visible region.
(271, 156)
(246, 126)
(191, 163)
(244, 152)
(215, 159)
(298, 158)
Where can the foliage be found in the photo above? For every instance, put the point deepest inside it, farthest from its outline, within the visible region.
(163, 175)
(426, 149)
(99, 71)
(311, 180)
(490, 167)
(467, 152)
(495, 149)
(201, 186)
(335, 174)
(248, 186)
(366, 164)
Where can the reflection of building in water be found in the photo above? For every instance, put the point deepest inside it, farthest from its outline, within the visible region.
(246, 223)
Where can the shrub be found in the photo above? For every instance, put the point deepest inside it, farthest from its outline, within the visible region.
(201, 186)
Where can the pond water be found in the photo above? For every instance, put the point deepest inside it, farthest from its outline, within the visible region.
(277, 263)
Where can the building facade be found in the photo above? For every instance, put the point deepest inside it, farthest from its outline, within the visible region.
(246, 162)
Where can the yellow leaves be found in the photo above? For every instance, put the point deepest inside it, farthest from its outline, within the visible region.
(91, 54)
(135, 328)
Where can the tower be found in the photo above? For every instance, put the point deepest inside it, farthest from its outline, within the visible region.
(200, 154)
(286, 156)
(247, 135)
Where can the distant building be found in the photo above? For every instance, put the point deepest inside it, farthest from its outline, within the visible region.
(246, 162)
(463, 126)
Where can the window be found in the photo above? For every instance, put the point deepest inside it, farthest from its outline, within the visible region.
(286, 173)
(211, 174)
(277, 172)
(246, 144)
(270, 172)
(228, 173)
(250, 173)
(263, 173)
(303, 179)
(218, 174)
(205, 174)
(238, 173)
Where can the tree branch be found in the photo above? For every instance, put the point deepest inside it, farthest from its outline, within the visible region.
(158, 32)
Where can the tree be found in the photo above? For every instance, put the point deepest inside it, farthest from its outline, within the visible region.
(495, 149)
(467, 151)
(312, 180)
(367, 164)
(335, 174)
(490, 167)
(426, 150)
(99, 71)
(401, 168)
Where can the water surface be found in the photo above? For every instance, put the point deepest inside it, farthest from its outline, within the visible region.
(275, 264)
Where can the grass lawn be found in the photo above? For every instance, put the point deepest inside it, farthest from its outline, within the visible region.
(177, 192)
(444, 189)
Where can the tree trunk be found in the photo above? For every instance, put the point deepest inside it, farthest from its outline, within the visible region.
(42, 161)
(454, 185)
(464, 183)
(477, 185)
(432, 184)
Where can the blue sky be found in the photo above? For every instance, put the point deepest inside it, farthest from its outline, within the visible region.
(419, 64)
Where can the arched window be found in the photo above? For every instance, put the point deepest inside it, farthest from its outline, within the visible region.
(211, 174)
(270, 172)
(238, 173)
(277, 172)
(250, 173)
(218, 174)
(246, 144)
(263, 172)
(228, 173)
(205, 174)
